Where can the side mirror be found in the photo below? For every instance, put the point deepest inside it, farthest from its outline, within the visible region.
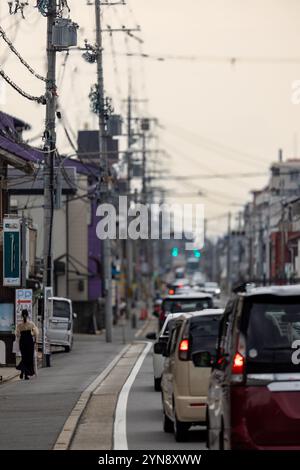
(202, 359)
(151, 335)
(74, 315)
(160, 348)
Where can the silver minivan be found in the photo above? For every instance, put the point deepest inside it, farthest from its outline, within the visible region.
(60, 329)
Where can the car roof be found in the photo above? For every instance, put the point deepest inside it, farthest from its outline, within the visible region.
(188, 296)
(291, 290)
(203, 313)
(63, 299)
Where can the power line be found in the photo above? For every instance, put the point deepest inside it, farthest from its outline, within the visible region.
(23, 61)
(212, 145)
(37, 99)
(209, 176)
(233, 60)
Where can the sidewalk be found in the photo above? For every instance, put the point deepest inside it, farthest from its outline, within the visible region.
(9, 373)
(34, 412)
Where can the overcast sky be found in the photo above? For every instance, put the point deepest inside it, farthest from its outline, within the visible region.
(219, 115)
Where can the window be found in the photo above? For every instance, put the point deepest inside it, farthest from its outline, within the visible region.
(273, 326)
(61, 309)
(187, 305)
(174, 338)
(294, 175)
(204, 333)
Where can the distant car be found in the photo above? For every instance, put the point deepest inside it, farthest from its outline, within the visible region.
(187, 302)
(178, 284)
(189, 355)
(158, 347)
(179, 273)
(211, 288)
(254, 392)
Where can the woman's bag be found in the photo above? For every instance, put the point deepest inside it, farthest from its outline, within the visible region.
(16, 348)
(35, 365)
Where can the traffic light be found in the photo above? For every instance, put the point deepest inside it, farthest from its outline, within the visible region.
(197, 254)
(175, 251)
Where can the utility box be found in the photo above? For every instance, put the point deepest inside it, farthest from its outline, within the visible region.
(145, 124)
(64, 34)
(114, 125)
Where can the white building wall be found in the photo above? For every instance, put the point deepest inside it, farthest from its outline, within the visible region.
(79, 215)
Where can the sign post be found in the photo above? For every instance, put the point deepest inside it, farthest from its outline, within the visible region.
(48, 312)
(23, 302)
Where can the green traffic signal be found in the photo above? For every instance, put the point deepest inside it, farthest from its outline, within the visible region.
(197, 253)
(175, 251)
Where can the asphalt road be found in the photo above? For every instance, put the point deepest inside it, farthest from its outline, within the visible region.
(144, 418)
(32, 413)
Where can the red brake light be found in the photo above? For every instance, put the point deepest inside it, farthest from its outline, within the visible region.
(171, 292)
(238, 364)
(184, 345)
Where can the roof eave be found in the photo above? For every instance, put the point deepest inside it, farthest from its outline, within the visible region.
(17, 162)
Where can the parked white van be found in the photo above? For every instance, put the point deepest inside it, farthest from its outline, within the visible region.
(60, 330)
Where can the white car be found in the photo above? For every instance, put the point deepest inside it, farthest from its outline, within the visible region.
(158, 358)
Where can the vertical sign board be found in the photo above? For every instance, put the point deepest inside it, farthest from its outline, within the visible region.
(11, 252)
(23, 301)
(48, 313)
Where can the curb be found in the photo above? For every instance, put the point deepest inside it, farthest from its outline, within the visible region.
(9, 378)
(66, 435)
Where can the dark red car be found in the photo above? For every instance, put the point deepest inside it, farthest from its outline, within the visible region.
(254, 391)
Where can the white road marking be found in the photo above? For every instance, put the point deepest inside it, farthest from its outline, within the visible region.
(65, 437)
(120, 434)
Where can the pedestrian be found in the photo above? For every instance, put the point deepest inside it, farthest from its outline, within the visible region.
(27, 335)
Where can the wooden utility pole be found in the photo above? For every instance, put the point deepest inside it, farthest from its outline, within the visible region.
(104, 172)
(50, 147)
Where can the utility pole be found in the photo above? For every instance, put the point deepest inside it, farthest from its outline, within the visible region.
(129, 250)
(50, 146)
(229, 254)
(144, 176)
(104, 171)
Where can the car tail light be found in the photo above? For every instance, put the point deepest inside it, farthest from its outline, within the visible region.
(171, 292)
(238, 365)
(239, 361)
(184, 349)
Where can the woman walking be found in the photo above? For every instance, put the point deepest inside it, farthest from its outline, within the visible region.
(26, 331)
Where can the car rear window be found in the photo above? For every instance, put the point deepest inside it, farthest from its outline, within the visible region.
(187, 305)
(61, 309)
(272, 328)
(204, 333)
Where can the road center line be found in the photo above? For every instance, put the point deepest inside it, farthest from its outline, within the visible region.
(120, 434)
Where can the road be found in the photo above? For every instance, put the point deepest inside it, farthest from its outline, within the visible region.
(33, 413)
(144, 418)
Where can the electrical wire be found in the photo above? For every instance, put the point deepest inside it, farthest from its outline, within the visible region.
(23, 61)
(37, 99)
(14, 37)
(233, 61)
(216, 147)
